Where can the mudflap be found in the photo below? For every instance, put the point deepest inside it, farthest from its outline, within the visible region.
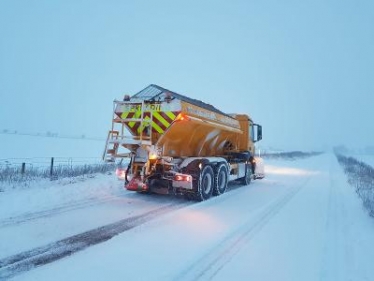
(136, 184)
(159, 186)
(259, 168)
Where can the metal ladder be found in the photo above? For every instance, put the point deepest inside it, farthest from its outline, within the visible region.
(116, 138)
(111, 148)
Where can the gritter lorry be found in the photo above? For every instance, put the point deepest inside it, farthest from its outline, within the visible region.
(178, 145)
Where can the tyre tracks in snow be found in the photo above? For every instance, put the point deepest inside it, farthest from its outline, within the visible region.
(64, 208)
(337, 260)
(30, 216)
(209, 265)
(16, 264)
(27, 260)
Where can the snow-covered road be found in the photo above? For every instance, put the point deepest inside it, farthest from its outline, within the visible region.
(302, 222)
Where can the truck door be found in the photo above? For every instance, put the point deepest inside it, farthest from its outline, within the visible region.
(256, 132)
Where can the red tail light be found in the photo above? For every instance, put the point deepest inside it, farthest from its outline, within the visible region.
(186, 178)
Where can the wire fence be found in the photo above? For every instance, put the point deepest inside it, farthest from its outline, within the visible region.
(22, 170)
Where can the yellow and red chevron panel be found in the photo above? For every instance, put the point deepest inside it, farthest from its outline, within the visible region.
(161, 120)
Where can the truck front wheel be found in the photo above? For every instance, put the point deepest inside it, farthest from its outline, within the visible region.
(205, 184)
(248, 174)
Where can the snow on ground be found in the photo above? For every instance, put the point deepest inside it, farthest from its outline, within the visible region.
(46, 194)
(20, 210)
(302, 222)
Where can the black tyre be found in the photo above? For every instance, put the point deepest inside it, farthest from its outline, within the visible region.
(220, 180)
(205, 184)
(248, 174)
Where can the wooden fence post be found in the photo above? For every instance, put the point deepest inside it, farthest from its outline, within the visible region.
(23, 168)
(51, 170)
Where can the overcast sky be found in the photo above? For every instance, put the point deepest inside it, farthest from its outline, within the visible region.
(302, 69)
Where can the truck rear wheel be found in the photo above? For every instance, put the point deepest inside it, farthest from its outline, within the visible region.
(220, 180)
(205, 184)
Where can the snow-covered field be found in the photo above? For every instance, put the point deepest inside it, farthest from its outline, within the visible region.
(302, 222)
(25, 146)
